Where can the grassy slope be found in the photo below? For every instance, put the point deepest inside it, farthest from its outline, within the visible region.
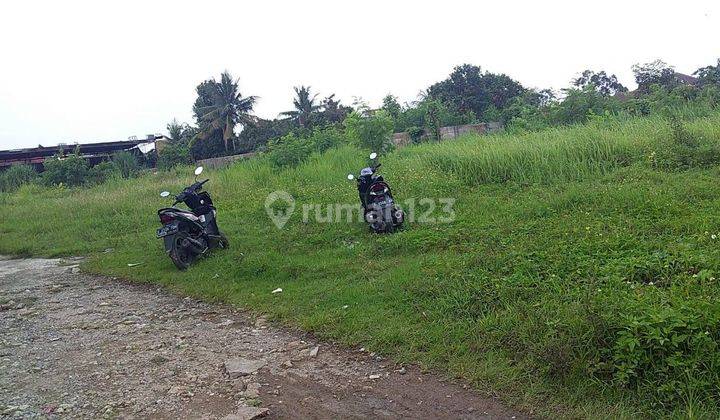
(554, 238)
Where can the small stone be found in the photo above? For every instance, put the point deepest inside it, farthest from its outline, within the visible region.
(62, 408)
(374, 376)
(252, 390)
(287, 364)
(238, 367)
(294, 345)
(309, 352)
(177, 390)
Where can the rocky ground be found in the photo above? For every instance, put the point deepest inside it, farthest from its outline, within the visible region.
(80, 346)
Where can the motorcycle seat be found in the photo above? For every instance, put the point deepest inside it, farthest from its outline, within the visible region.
(187, 214)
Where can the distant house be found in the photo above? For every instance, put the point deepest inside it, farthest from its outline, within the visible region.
(94, 153)
(683, 79)
(687, 79)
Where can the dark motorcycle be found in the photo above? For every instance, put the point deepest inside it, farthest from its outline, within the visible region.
(379, 208)
(190, 234)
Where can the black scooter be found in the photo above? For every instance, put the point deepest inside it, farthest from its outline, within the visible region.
(190, 234)
(377, 201)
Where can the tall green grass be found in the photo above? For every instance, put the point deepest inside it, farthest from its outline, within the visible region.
(557, 154)
(578, 278)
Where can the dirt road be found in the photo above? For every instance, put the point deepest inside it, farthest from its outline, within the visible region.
(74, 345)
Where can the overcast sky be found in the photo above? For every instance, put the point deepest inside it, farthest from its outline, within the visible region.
(88, 71)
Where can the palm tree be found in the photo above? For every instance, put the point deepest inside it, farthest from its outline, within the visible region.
(227, 108)
(305, 106)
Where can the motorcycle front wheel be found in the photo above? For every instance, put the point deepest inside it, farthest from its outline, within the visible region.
(181, 254)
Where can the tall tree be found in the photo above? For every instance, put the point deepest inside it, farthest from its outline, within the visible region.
(180, 133)
(220, 107)
(175, 130)
(305, 107)
(255, 136)
(656, 72)
(468, 89)
(392, 106)
(333, 112)
(709, 75)
(600, 81)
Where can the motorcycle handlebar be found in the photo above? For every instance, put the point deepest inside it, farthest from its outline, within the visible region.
(196, 186)
(191, 189)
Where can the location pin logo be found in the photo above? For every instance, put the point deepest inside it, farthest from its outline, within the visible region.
(279, 206)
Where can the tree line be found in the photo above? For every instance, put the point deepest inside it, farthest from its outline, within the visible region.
(224, 122)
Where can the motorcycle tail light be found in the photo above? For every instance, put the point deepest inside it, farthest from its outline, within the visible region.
(166, 218)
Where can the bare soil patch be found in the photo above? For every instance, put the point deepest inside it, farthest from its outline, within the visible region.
(74, 345)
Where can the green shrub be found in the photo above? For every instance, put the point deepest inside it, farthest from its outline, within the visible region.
(70, 170)
(15, 176)
(372, 132)
(293, 149)
(669, 352)
(172, 155)
(102, 172)
(415, 133)
(73, 170)
(326, 138)
(289, 150)
(126, 163)
(685, 150)
(432, 119)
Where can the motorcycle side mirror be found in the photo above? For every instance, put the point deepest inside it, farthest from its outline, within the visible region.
(164, 194)
(198, 170)
(373, 155)
(351, 177)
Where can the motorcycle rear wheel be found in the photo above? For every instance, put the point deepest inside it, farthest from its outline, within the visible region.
(181, 255)
(223, 242)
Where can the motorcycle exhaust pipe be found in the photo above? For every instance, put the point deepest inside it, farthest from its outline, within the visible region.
(399, 215)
